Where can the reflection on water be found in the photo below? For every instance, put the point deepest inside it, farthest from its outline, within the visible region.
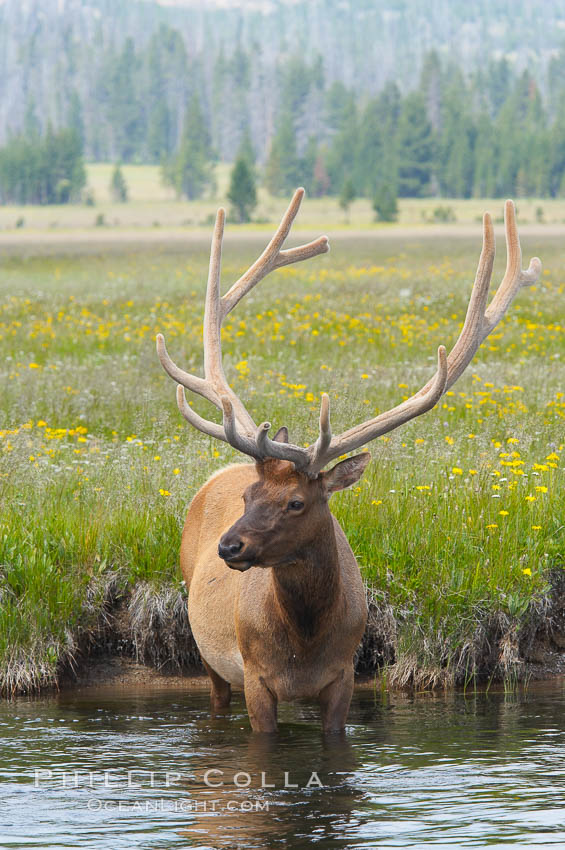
(152, 770)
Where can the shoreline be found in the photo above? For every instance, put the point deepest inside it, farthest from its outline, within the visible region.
(144, 640)
(111, 675)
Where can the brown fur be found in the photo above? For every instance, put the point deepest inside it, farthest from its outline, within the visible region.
(288, 628)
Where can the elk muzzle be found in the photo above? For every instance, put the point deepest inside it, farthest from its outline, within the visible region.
(234, 552)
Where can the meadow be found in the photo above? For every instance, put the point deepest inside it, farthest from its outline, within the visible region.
(458, 524)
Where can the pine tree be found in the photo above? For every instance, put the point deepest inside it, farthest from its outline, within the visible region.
(246, 149)
(36, 170)
(118, 185)
(282, 169)
(242, 192)
(159, 132)
(320, 178)
(371, 144)
(75, 118)
(190, 170)
(485, 156)
(384, 203)
(347, 196)
(342, 158)
(123, 108)
(454, 149)
(307, 165)
(415, 148)
(557, 153)
(431, 86)
(163, 89)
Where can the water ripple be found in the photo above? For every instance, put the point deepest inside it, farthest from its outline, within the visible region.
(143, 770)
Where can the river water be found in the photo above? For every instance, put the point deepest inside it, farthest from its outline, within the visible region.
(149, 769)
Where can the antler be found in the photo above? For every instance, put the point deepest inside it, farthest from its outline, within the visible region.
(477, 326)
(238, 427)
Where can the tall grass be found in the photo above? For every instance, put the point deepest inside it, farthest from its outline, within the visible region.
(457, 524)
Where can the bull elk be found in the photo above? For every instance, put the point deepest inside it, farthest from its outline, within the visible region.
(286, 618)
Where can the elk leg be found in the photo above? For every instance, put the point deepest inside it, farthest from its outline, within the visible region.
(335, 699)
(220, 692)
(261, 704)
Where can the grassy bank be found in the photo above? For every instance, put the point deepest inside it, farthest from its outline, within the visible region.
(458, 524)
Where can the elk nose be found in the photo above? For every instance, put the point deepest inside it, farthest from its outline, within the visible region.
(229, 550)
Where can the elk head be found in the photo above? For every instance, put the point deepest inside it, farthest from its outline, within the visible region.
(291, 485)
(286, 513)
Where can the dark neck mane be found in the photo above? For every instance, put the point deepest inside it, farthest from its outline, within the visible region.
(307, 591)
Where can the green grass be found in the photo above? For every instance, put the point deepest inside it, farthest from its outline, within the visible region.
(97, 466)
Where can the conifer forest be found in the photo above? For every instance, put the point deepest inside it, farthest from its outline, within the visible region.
(405, 99)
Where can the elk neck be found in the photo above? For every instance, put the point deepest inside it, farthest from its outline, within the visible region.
(308, 590)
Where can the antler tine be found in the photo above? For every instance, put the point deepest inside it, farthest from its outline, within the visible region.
(283, 451)
(204, 425)
(213, 368)
(515, 277)
(322, 444)
(478, 322)
(212, 349)
(191, 382)
(273, 258)
(419, 403)
(239, 441)
(320, 245)
(477, 326)
(471, 334)
(214, 384)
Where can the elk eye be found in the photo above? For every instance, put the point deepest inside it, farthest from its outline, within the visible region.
(295, 505)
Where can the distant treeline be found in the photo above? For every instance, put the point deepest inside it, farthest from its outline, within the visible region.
(42, 170)
(491, 136)
(491, 133)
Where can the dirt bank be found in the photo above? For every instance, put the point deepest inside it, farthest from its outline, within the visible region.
(117, 674)
(143, 640)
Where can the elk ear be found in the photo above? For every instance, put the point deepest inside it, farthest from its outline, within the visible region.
(282, 435)
(346, 473)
